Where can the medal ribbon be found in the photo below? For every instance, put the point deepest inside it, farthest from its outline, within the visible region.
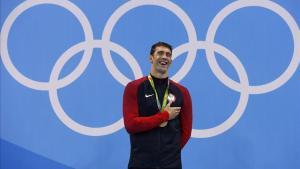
(161, 108)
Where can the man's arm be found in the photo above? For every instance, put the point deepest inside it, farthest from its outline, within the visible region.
(186, 118)
(133, 122)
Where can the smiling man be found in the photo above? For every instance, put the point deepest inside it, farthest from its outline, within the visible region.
(157, 115)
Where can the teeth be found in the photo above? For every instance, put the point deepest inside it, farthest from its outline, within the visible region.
(163, 63)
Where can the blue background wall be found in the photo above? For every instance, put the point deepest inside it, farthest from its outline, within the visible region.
(265, 136)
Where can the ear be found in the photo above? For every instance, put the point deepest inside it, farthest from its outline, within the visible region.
(150, 58)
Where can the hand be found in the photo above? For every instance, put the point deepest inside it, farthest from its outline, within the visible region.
(173, 111)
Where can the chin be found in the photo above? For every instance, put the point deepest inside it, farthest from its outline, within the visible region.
(162, 71)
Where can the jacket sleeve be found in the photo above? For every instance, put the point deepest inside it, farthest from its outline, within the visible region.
(186, 118)
(132, 121)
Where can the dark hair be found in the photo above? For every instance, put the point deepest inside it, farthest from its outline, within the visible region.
(164, 44)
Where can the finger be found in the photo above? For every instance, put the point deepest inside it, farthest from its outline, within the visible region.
(169, 104)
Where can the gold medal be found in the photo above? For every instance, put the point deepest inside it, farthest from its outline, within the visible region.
(171, 97)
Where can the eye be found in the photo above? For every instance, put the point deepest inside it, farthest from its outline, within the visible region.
(160, 53)
(168, 54)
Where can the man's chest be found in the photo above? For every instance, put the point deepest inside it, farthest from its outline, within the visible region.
(147, 100)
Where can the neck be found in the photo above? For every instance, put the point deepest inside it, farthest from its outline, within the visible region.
(159, 75)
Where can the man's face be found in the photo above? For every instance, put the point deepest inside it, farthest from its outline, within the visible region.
(161, 59)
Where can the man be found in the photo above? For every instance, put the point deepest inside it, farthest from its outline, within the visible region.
(157, 114)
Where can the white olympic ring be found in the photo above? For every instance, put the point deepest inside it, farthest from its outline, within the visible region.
(191, 47)
(191, 32)
(54, 79)
(88, 33)
(284, 77)
(244, 83)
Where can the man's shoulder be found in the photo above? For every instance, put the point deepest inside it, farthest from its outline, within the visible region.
(137, 82)
(180, 86)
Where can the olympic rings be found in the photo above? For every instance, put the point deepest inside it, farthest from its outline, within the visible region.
(191, 47)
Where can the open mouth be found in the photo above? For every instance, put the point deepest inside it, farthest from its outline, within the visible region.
(163, 62)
